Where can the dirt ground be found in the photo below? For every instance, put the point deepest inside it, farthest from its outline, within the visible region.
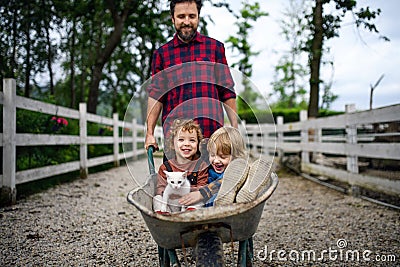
(89, 223)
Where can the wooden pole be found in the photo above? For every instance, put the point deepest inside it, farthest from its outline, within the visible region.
(116, 139)
(351, 135)
(83, 141)
(279, 121)
(305, 155)
(134, 138)
(8, 189)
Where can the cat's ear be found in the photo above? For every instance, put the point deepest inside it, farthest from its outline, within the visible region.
(185, 174)
(166, 172)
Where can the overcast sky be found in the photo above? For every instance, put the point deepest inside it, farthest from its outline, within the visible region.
(358, 61)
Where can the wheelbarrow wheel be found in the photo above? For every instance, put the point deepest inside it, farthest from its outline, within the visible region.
(210, 252)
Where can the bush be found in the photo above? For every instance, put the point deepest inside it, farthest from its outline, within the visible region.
(256, 116)
(39, 156)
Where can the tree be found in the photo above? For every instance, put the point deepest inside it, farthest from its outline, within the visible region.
(129, 67)
(23, 20)
(119, 13)
(290, 72)
(248, 13)
(326, 26)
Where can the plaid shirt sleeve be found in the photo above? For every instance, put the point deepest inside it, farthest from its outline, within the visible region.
(224, 78)
(157, 82)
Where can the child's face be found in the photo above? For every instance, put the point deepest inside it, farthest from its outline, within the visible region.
(185, 144)
(218, 160)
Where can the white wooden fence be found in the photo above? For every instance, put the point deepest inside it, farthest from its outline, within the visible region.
(305, 137)
(11, 139)
(315, 137)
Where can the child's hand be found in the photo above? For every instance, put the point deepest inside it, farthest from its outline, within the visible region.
(191, 198)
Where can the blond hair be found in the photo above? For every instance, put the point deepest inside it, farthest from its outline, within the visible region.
(228, 141)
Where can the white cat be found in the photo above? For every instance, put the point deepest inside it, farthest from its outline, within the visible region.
(177, 185)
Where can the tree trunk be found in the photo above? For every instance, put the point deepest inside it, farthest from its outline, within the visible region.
(47, 20)
(28, 63)
(82, 86)
(13, 63)
(49, 60)
(72, 66)
(315, 61)
(105, 54)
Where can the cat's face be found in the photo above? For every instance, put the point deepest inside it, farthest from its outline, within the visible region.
(176, 179)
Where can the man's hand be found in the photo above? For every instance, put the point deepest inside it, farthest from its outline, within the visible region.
(150, 141)
(231, 111)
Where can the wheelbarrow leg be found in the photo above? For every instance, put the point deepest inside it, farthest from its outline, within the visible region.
(173, 258)
(163, 258)
(167, 257)
(251, 251)
(245, 253)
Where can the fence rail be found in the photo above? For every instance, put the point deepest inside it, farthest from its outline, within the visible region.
(11, 139)
(338, 140)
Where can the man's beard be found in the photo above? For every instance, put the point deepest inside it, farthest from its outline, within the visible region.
(186, 37)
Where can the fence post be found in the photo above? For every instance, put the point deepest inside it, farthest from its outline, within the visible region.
(351, 137)
(305, 155)
(116, 139)
(8, 189)
(254, 143)
(83, 141)
(134, 137)
(317, 138)
(279, 150)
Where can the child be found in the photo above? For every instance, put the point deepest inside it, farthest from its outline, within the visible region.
(226, 148)
(184, 141)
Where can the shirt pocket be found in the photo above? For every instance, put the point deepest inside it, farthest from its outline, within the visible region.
(204, 70)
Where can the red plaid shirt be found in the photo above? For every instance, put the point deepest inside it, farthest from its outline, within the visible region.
(192, 80)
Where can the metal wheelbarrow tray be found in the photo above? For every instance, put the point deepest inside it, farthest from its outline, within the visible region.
(236, 222)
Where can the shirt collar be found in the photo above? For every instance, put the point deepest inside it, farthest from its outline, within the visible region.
(198, 38)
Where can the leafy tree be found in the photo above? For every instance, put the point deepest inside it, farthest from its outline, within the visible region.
(287, 76)
(290, 72)
(129, 67)
(326, 26)
(248, 13)
(27, 48)
(106, 44)
(327, 96)
(8, 46)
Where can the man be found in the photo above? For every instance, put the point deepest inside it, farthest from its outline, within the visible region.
(182, 83)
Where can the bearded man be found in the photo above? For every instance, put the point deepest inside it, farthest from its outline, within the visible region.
(190, 77)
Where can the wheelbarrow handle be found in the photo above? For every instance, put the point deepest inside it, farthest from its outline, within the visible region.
(150, 159)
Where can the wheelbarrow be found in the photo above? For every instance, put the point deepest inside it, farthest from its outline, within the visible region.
(204, 229)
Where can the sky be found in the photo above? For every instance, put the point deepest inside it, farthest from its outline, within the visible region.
(359, 57)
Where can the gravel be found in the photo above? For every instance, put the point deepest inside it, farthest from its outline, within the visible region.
(88, 222)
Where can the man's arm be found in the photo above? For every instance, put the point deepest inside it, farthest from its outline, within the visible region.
(231, 111)
(154, 108)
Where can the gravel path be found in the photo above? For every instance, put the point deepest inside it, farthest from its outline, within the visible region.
(89, 223)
